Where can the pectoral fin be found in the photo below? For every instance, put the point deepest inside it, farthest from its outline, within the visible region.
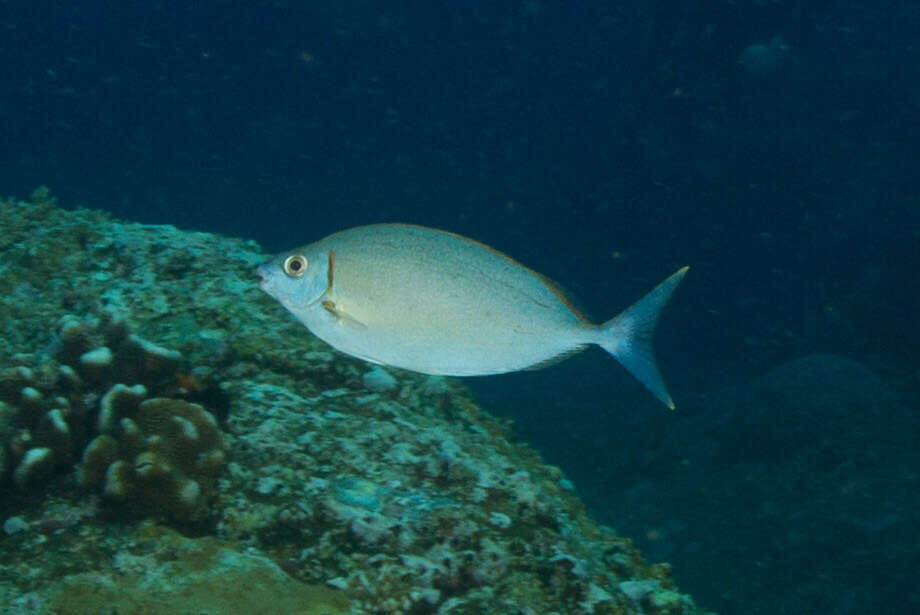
(341, 315)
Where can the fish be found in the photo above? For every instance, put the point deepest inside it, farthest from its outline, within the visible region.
(438, 303)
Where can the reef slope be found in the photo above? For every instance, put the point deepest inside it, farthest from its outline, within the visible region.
(195, 443)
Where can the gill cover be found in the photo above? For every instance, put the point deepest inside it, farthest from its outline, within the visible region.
(299, 279)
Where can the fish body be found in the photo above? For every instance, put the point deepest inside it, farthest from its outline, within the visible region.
(437, 303)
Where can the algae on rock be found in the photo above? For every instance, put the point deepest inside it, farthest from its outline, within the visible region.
(185, 575)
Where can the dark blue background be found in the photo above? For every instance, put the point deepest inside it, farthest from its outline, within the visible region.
(603, 144)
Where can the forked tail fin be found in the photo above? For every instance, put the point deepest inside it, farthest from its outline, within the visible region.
(628, 337)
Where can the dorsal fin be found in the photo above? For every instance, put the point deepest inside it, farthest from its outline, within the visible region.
(566, 296)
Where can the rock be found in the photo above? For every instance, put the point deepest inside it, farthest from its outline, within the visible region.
(637, 590)
(817, 402)
(192, 576)
(499, 520)
(267, 485)
(14, 525)
(379, 380)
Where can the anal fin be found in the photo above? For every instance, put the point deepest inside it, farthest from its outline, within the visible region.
(559, 358)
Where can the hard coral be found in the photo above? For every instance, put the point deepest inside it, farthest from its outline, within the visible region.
(163, 454)
(39, 425)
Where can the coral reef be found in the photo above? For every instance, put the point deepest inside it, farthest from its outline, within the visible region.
(392, 490)
(159, 454)
(419, 504)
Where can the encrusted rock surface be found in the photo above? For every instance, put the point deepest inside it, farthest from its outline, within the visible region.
(393, 494)
(168, 574)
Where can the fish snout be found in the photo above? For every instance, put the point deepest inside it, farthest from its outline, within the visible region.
(264, 276)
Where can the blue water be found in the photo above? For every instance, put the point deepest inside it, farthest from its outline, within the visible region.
(773, 147)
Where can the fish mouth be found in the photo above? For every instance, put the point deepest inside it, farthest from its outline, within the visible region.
(262, 272)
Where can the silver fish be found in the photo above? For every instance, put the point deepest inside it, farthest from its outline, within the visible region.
(438, 303)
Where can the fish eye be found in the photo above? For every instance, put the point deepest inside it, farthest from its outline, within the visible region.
(295, 265)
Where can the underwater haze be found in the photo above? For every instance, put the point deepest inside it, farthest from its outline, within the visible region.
(772, 147)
